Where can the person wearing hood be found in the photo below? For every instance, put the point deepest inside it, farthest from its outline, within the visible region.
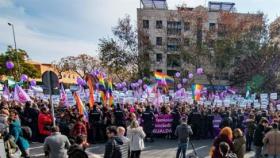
(112, 147)
(136, 136)
(16, 132)
(239, 143)
(183, 132)
(272, 142)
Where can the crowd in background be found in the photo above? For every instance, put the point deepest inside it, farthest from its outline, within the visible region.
(233, 129)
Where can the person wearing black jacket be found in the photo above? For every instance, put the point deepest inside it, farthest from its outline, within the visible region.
(176, 120)
(148, 122)
(95, 119)
(195, 120)
(119, 116)
(112, 148)
(258, 137)
(78, 148)
(30, 119)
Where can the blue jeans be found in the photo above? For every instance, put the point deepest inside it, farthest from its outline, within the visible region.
(182, 148)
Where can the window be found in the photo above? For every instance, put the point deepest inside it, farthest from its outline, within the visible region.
(173, 44)
(159, 57)
(221, 30)
(174, 28)
(186, 42)
(187, 26)
(158, 24)
(212, 26)
(145, 24)
(159, 41)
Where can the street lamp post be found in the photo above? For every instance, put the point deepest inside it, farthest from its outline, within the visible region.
(14, 35)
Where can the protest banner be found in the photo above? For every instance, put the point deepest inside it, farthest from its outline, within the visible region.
(163, 124)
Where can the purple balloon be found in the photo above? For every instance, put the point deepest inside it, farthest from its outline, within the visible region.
(124, 89)
(199, 71)
(33, 83)
(136, 85)
(10, 65)
(179, 86)
(140, 81)
(190, 75)
(145, 86)
(97, 85)
(185, 80)
(24, 77)
(177, 74)
(119, 86)
(124, 84)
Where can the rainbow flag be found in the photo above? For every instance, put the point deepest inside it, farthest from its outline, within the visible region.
(101, 80)
(196, 90)
(163, 77)
(110, 92)
(80, 106)
(91, 92)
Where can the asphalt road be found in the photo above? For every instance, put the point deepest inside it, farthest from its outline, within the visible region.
(161, 148)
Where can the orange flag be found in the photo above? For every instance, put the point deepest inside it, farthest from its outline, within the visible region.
(79, 103)
(91, 92)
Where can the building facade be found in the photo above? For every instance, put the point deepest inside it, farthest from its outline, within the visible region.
(171, 32)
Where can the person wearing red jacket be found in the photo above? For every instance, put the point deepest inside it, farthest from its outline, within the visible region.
(79, 128)
(45, 121)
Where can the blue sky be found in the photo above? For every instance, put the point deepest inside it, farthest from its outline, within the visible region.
(51, 29)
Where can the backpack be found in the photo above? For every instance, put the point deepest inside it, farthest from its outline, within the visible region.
(26, 132)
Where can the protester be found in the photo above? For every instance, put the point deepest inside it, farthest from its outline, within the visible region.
(136, 136)
(125, 148)
(79, 127)
(239, 143)
(272, 142)
(258, 137)
(112, 148)
(250, 130)
(77, 150)
(148, 123)
(56, 145)
(30, 116)
(225, 151)
(44, 123)
(224, 136)
(183, 132)
(16, 132)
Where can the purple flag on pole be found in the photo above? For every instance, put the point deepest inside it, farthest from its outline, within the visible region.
(63, 96)
(6, 93)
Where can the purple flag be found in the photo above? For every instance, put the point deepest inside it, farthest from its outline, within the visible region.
(63, 96)
(6, 93)
(20, 95)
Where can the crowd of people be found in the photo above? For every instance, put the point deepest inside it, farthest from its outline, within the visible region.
(127, 127)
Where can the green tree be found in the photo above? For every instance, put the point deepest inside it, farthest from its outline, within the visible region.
(120, 56)
(22, 68)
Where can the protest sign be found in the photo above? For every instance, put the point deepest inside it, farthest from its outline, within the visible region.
(163, 124)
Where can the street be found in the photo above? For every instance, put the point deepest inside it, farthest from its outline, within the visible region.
(160, 148)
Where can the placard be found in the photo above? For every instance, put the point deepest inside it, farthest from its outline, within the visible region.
(263, 96)
(273, 96)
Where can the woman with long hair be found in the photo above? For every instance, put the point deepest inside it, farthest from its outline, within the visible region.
(136, 136)
(239, 143)
(225, 135)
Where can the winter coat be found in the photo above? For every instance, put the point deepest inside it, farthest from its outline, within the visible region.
(183, 132)
(239, 146)
(217, 141)
(44, 124)
(112, 148)
(56, 145)
(272, 142)
(76, 151)
(16, 132)
(259, 135)
(79, 129)
(250, 126)
(136, 137)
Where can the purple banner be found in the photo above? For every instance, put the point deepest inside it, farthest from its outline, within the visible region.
(163, 124)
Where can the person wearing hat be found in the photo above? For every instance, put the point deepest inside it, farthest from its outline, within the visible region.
(183, 132)
(259, 135)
